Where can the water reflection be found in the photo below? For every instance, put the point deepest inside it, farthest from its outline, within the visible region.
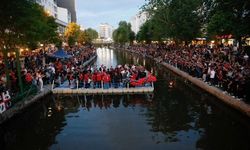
(36, 128)
(88, 102)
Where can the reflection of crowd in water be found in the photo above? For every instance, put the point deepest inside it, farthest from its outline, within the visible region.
(225, 67)
(107, 102)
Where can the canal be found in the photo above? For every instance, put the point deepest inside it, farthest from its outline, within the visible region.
(178, 117)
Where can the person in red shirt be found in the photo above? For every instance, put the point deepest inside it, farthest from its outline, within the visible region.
(98, 79)
(106, 80)
(28, 78)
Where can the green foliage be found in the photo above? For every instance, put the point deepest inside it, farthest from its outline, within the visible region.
(24, 23)
(87, 36)
(91, 35)
(145, 33)
(71, 41)
(220, 24)
(151, 30)
(177, 19)
(72, 33)
(230, 17)
(123, 33)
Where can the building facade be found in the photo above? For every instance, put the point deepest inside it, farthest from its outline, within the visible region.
(62, 15)
(105, 31)
(138, 20)
(50, 7)
(70, 5)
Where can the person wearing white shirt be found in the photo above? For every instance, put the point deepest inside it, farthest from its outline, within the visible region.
(212, 76)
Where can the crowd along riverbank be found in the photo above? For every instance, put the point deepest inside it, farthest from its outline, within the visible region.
(31, 99)
(231, 101)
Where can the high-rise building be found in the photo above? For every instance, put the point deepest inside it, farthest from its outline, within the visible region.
(70, 5)
(138, 20)
(50, 6)
(62, 15)
(105, 31)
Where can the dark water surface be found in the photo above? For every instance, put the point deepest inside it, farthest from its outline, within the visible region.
(175, 118)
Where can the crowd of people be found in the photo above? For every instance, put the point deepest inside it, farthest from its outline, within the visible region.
(41, 67)
(119, 76)
(225, 67)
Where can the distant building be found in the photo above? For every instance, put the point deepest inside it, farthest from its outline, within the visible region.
(138, 20)
(61, 14)
(70, 5)
(82, 27)
(105, 31)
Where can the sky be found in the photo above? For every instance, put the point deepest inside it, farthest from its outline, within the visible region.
(91, 13)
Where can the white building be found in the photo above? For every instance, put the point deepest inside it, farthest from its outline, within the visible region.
(50, 6)
(138, 20)
(62, 15)
(82, 27)
(105, 31)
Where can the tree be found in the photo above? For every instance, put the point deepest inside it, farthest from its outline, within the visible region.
(50, 34)
(123, 33)
(23, 23)
(87, 36)
(82, 37)
(91, 35)
(145, 32)
(72, 33)
(230, 17)
(149, 31)
(177, 19)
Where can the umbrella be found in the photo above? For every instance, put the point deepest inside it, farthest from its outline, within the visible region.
(61, 54)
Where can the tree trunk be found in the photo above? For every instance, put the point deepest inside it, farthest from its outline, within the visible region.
(19, 70)
(6, 67)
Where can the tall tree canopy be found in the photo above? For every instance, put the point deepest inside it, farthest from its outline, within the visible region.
(229, 17)
(123, 33)
(87, 36)
(177, 19)
(23, 23)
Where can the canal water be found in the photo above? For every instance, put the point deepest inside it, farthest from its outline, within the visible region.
(175, 118)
